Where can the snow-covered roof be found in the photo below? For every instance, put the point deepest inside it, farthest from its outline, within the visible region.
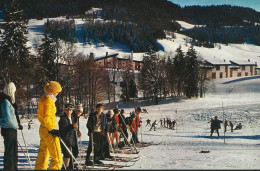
(106, 56)
(240, 62)
(216, 61)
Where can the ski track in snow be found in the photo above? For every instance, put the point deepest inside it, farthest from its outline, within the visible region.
(181, 149)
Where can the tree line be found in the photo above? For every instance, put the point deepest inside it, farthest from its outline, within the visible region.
(174, 75)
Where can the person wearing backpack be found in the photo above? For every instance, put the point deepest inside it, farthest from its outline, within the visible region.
(9, 126)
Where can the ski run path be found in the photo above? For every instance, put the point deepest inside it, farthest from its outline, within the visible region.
(181, 149)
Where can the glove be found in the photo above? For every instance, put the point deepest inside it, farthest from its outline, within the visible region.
(20, 127)
(79, 134)
(55, 133)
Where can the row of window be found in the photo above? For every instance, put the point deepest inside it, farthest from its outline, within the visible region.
(243, 68)
(239, 74)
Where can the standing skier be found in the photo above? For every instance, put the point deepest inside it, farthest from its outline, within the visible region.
(68, 134)
(148, 122)
(215, 125)
(115, 122)
(161, 121)
(9, 126)
(123, 128)
(153, 125)
(49, 143)
(225, 125)
(173, 124)
(96, 126)
(231, 126)
(78, 110)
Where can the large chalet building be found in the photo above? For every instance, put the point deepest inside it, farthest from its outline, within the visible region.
(117, 62)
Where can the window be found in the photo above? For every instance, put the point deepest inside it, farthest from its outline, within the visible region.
(243, 68)
(221, 75)
(246, 74)
(239, 74)
(213, 75)
(217, 68)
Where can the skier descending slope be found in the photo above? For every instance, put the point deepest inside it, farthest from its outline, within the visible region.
(49, 143)
(153, 125)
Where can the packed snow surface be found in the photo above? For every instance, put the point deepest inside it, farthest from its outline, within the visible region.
(180, 148)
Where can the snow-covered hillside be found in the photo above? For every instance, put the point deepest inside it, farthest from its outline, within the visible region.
(241, 52)
(180, 149)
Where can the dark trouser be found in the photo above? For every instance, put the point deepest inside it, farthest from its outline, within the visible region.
(134, 137)
(126, 135)
(106, 145)
(212, 130)
(89, 150)
(98, 140)
(11, 148)
(75, 152)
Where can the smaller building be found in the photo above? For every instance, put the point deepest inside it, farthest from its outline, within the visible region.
(219, 69)
(242, 68)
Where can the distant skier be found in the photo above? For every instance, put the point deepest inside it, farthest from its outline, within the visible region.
(215, 125)
(164, 122)
(170, 124)
(153, 126)
(225, 125)
(161, 121)
(173, 124)
(239, 126)
(148, 122)
(29, 124)
(231, 126)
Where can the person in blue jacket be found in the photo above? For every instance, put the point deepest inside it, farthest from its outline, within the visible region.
(9, 126)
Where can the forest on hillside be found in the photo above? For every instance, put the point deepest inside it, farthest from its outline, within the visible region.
(220, 24)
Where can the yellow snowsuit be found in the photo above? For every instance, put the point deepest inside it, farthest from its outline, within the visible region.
(49, 145)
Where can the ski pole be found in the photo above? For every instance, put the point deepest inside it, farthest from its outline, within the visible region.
(80, 145)
(92, 148)
(125, 136)
(70, 152)
(110, 144)
(22, 150)
(26, 148)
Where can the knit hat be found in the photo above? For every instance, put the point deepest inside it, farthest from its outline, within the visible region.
(52, 87)
(69, 106)
(79, 108)
(9, 90)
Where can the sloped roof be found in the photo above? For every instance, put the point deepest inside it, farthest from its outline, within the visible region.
(243, 63)
(216, 61)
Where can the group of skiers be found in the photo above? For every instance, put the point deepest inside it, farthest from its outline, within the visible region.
(167, 123)
(215, 126)
(103, 130)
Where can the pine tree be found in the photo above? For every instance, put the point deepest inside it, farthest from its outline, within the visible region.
(47, 56)
(128, 84)
(193, 70)
(179, 70)
(15, 60)
(151, 76)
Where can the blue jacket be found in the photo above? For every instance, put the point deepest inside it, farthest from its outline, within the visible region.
(92, 119)
(8, 119)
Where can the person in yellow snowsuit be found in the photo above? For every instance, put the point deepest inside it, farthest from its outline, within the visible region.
(49, 141)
